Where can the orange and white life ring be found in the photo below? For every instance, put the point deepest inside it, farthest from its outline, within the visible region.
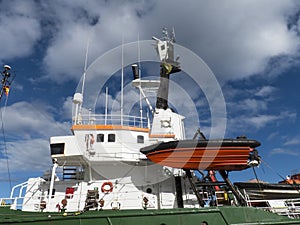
(107, 187)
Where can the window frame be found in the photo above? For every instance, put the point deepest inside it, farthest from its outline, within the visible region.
(111, 138)
(100, 137)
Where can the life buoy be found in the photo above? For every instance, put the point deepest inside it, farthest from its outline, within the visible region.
(107, 187)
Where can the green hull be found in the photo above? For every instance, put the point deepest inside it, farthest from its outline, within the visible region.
(213, 216)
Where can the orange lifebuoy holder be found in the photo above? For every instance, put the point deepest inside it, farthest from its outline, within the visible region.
(107, 187)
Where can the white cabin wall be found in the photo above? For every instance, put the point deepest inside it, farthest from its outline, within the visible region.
(125, 146)
(168, 122)
(127, 191)
(71, 145)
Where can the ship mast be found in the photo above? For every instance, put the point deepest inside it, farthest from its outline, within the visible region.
(122, 82)
(139, 72)
(78, 97)
(165, 51)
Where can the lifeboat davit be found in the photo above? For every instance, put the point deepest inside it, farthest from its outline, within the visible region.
(215, 154)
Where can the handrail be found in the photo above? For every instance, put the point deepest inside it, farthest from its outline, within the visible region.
(112, 119)
(289, 207)
(127, 156)
(16, 186)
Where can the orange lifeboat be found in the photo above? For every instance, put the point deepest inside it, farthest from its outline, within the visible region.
(215, 154)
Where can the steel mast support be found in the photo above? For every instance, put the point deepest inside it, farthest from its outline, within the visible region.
(199, 198)
(238, 196)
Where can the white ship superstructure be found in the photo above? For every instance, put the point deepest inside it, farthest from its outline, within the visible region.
(100, 166)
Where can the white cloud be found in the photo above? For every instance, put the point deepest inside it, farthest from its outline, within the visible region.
(64, 58)
(27, 120)
(19, 29)
(261, 120)
(27, 129)
(251, 105)
(247, 122)
(66, 109)
(236, 38)
(265, 91)
(273, 136)
(30, 155)
(113, 21)
(293, 141)
(283, 151)
(246, 101)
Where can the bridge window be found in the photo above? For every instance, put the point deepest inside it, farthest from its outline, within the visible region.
(100, 137)
(140, 139)
(111, 137)
(57, 149)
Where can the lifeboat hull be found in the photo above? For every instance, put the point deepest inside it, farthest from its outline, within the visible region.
(228, 154)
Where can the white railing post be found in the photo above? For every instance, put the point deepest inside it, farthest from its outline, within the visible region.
(55, 165)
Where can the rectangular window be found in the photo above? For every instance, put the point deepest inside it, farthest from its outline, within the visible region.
(57, 149)
(140, 139)
(100, 137)
(111, 138)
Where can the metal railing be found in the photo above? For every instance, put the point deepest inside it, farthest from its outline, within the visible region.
(284, 207)
(112, 119)
(124, 156)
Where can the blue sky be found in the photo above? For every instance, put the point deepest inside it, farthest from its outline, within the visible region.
(252, 47)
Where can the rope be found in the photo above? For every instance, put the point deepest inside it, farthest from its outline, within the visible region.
(4, 142)
(294, 185)
(273, 170)
(2, 125)
(5, 104)
(256, 177)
